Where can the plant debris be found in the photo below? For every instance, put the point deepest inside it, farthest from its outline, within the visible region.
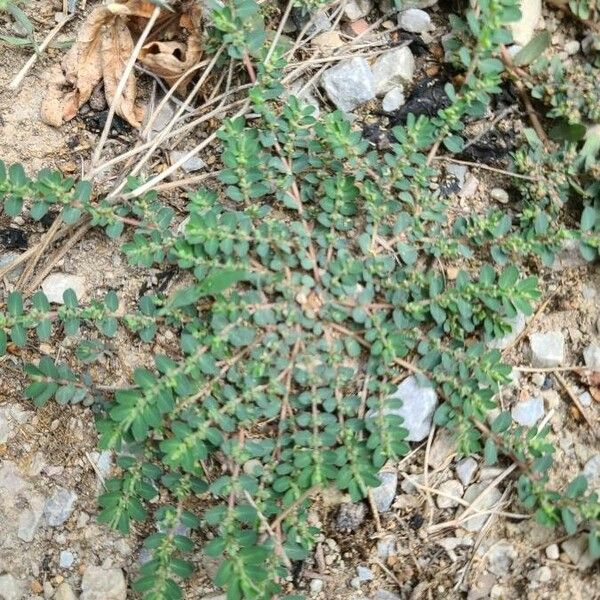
(105, 44)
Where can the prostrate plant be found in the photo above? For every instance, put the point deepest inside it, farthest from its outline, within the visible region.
(318, 283)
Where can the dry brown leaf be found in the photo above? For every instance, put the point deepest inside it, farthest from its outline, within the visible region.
(72, 83)
(595, 393)
(117, 47)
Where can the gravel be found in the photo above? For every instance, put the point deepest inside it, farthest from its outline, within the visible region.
(591, 356)
(529, 412)
(349, 84)
(465, 470)
(394, 68)
(103, 584)
(452, 488)
(55, 285)
(394, 99)
(350, 516)
(357, 9)
(474, 522)
(414, 20)
(384, 495)
(547, 349)
(418, 405)
(59, 506)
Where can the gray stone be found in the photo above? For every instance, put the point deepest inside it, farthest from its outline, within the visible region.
(11, 588)
(30, 518)
(575, 547)
(316, 586)
(499, 195)
(500, 558)
(523, 29)
(364, 574)
(64, 592)
(386, 548)
(418, 405)
(552, 552)
(394, 68)
(457, 171)
(450, 489)
(444, 446)
(474, 522)
(547, 349)
(384, 595)
(586, 399)
(572, 47)
(319, 22)
(357, 9)
(164, 117)
(517, 324)
(6, 259)
(349, 84)
(394, 99)
(103, 584)
(387, 5)
(414, 20)
(542, 574)
(192, 164)
(529, 412)
(384, 494)
(568, 257)
(592, 472)
(103, 462)
(66, 559)
(465, 470)
(591, 356)
(59, 506)
(55, 285)
(350, 516)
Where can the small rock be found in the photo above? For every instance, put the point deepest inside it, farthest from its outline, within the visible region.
(163, 118)
(529, 412)
(349, 84)
(356, 28)
(465, 470)
(385, 595)
(591, 356)
(59, 506)
(364, 574)
(500, 558)
(499, 195)
(36, 587)
(103, 462)
(316, 586)
(531, 13)
(103, 584)
(327, 41)
(449, 490)
(394, 99)
(66, 559)
(356, 9)
(517, 324)
(418, 405)
(574, 547)
(474, 521)
(540, 575)
(592, 472)
(457, 171)
(192, 164)
(29, 519)
(55, 285)
(319, 21)
(386, 548)
(414, 20)
(384, 494)
(444, 446)
(552, 552)
(350, 516)
(11, 588)
(470, 187)
(547, 349)
(572, 47)
(6, 259)
(586, 399)
(394, 68)
(64, 592)
(568, 256)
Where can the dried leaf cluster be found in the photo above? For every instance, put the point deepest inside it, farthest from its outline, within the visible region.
(104, 45)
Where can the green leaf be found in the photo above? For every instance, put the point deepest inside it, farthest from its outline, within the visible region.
(568, 521)
(502, 422)
(532, 50)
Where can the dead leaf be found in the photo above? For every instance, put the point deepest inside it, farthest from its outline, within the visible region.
(170, 60)
(72, 83)
(595, 393)
(117, 46)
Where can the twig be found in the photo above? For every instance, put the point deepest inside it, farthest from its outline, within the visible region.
(575, 400)
(550, 369)
(122, 83)
(374, 510)
(16, 82)
(486, 168)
